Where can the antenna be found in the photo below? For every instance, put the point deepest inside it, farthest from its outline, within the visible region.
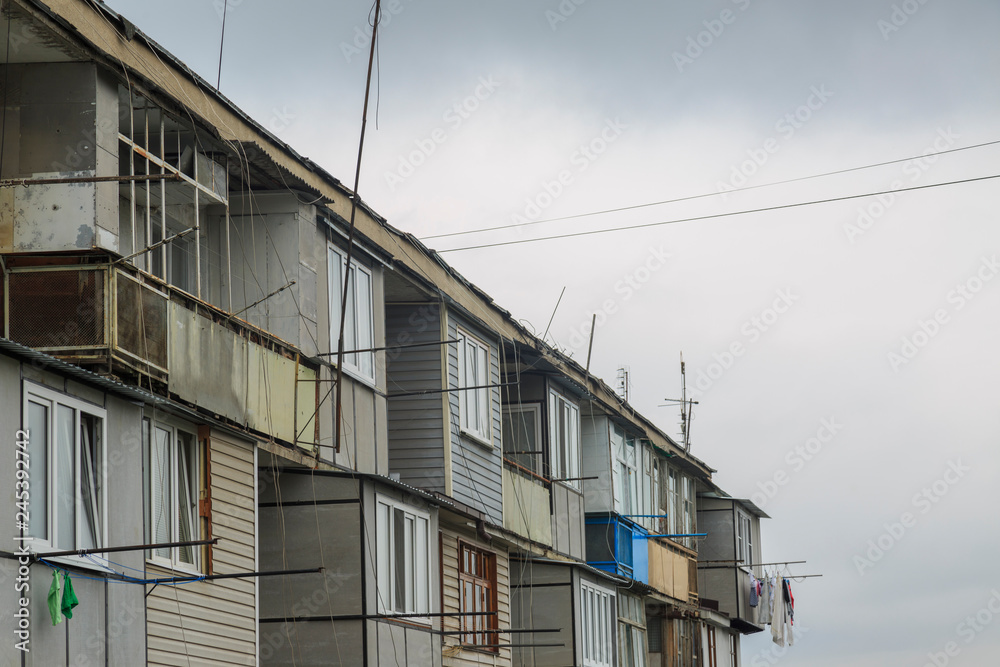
(687, 409)
(623, 383)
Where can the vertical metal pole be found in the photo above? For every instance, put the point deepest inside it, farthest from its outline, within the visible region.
(350, 238)
(229, 250)
(197, 231)
(146, 259)
(163, 198)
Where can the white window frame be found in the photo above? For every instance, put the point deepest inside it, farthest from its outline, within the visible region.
(632, 641)
(474, 405)
(598, 613)
(564, 449)
(359, 331)
(179, 476)
(519, 414)
(414, 572)
(744, 538)
(46, 481)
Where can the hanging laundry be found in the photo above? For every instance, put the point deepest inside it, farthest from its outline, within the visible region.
(55, 599)
(754, 591)
(69, 599)
(787, 599)
(764, 608)
(778, 618)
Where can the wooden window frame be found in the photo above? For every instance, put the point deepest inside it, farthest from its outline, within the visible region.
(482, 633)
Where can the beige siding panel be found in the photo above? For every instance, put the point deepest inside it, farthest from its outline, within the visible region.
(523, 501)
(452, 655)
(214, 622)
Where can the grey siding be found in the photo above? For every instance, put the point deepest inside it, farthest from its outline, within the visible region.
(542, 598)
(415, 423)
(476, 468)
(596, 445)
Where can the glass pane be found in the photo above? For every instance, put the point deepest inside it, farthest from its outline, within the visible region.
(399, 560)
(160, 485)
(411, 553)
(422, 574)
(383, 542)
(65, 485)
(91, 481)
(38, 460)
(365, 336)
(187, 496)
(336, 287)
(350, 321)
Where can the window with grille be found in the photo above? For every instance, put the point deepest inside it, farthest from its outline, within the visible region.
(477, 578)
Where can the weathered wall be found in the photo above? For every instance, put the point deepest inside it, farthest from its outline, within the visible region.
(310, 521)
(62, 122)
(526, 507)
(542, 597)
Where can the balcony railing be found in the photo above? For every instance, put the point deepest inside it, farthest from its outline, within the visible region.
(88, 314)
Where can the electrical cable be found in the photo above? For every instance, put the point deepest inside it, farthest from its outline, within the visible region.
(765, 209)
(709, 194)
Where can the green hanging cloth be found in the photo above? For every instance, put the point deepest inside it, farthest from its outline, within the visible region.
(55, 599)
(69, 599)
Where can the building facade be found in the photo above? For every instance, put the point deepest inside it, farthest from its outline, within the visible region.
(176, 283)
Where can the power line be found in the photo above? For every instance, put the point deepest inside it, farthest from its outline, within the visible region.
(719, 215)
(706, 194)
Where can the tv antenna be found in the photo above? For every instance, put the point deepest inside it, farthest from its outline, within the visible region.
(687, 409)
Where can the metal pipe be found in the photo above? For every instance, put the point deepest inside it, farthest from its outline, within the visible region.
(131, 178)
(137, 547)
(368, 617)
(386, 347)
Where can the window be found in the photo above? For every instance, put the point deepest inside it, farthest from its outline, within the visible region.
(477, 576)
(359, 325)
(626, 476)
(686, 646)
(680, 507)
(174, 466)
(596, 616)
(521, 435)
(744, 539)
(631, 631)
(403, 558)
(474, 371)
(713, 661)
(67, 460)
(564, 437)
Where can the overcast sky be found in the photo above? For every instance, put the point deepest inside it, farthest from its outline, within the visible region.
(862, 332)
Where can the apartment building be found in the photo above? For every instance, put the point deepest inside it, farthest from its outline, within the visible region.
(173, 299)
